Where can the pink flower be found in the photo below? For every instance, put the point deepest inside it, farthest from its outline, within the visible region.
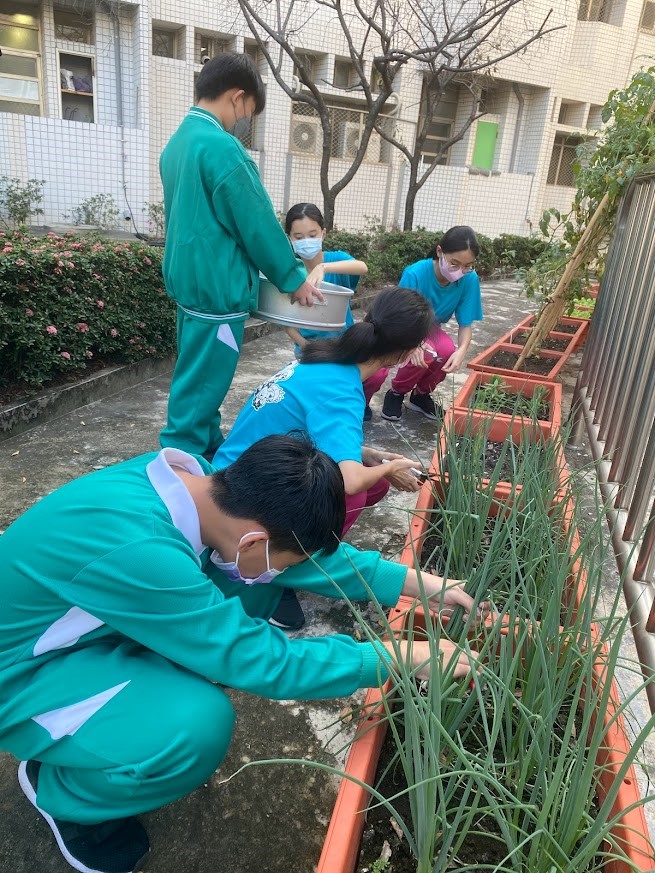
(71, 265)
(51, 329)
(66, 254)
(147, 261)
(8, 248)
(58, 271)
(118, 249)
(113, 332)
(66, 355)
(82, 326)
(97, 247)
(89, 354)
(100, 304)
(29, 311)
(142, 324)
(60, 263)
(20, 262)
(76, 246)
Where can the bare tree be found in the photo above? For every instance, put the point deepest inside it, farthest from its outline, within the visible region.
(445, 40)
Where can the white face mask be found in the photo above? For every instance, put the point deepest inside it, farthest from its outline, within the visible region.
(231, 568)
(307, 248)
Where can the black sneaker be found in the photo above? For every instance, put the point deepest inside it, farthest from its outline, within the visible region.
(119, 846)
(424, 404)
(288, 614)
(368, 413)
(392, 408)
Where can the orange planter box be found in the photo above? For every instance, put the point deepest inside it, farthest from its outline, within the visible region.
(517, 384)
(342, 843)
(481, 363)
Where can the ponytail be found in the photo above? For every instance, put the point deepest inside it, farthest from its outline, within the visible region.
(399, 320)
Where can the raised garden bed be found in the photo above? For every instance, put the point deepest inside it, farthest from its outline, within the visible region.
(629, 831)
(501, 357)
(510, 399)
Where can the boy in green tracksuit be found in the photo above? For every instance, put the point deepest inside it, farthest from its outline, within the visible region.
(127, 594)
(221, 231)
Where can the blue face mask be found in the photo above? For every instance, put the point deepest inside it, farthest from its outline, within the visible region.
(307, 248)
(241, 126)
(231, 568)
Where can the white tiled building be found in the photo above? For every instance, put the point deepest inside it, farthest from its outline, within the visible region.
(91, 91)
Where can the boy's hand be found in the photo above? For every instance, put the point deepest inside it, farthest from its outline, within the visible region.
(305, 295)
(421, 657)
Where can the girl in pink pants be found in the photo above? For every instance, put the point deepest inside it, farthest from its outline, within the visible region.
(449, 282)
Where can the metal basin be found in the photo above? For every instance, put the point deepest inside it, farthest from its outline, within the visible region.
(277, 307)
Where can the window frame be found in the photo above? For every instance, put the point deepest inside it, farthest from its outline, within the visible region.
(443, 157)
(92, 96)
(7, 51)
(561, 142)
(642, 27)
(175, 33)
(91, 25)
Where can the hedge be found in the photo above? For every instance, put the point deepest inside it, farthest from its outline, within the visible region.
(387, 253)
(66, 301)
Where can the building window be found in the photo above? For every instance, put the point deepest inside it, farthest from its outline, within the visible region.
(347, 125)
(595, 10)
(207, 46)
(73, 26)
(560, 171)
(345, 74)
(440, 126)
(167, 42)
(308, 62)
(647, 21)
(255, 54)
(20, 65)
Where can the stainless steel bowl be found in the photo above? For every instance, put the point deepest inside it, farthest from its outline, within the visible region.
(277, 307)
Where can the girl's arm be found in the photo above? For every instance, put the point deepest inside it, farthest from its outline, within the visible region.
(341, 268)
(357, 477)
(295, 336)
(455, 361)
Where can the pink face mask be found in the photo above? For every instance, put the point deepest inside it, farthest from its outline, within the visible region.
(448, 272)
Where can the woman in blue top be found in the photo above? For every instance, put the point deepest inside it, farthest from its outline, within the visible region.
(323, 395)
(305, 227)
(449, 281)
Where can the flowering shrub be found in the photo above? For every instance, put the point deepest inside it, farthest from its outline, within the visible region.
(65, 300)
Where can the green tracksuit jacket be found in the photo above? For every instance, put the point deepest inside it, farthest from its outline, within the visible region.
(221, 228)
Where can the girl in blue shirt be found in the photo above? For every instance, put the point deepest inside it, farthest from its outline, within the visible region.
(305, 227)
(323, 395)
(449, 282)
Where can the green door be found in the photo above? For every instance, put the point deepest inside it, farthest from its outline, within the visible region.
(485, 145)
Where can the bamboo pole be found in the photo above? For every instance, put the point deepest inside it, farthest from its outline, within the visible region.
(586, 246)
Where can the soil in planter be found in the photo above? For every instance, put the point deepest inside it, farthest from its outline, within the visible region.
(507, 403)
(507, 360)
(477, 848)
(554, 344)
(565, 327)
(490, 453)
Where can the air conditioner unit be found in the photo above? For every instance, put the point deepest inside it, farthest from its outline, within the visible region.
(349, 139)
(306, 136)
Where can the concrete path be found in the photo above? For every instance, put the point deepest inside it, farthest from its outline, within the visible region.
(272, 818)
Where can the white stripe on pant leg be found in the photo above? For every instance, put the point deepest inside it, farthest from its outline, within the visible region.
(64, 722)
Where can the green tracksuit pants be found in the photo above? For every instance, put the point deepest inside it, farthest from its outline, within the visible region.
(207, 356)
(162, 733)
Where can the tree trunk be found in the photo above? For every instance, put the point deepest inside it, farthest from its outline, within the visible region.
(410, 200)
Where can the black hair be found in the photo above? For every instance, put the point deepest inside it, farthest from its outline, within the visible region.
(398, 321)
(458, 239)
(303, 210)
(289, 487)
(231, 70)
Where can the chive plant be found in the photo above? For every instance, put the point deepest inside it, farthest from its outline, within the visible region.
(511, 757)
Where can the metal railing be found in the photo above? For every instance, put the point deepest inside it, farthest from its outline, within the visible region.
(614, 401)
